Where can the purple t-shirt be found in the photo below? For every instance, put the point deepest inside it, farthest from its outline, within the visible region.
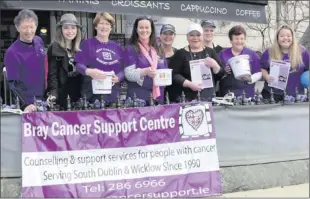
(294, 76)
(230, 83)
(25, 66)
(104, 56)
(131, 57)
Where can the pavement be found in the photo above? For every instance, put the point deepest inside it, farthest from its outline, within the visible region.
(301, 191)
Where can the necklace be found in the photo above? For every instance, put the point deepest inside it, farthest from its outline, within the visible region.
(193, 54)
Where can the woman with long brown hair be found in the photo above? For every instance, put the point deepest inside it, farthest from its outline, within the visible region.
(63, 79)
(142, 58)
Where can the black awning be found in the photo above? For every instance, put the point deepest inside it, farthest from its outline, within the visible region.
(258, 2)
(213, 10)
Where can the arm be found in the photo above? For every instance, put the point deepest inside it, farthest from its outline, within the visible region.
(219, 72)
(264, 65)
(81, 58)
(306, 59)
(121, 75)
(256, 70)
(52, 73)
(132, 73)
(13, 76)
(176, 64)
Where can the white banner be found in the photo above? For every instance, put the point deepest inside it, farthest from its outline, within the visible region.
(81, 166)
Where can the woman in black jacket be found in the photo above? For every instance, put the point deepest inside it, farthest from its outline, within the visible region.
(63, 79)
(181, 69)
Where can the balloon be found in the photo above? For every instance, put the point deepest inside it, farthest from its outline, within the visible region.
(304, 79)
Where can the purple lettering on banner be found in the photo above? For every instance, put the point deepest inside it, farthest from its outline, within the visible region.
(152, 152)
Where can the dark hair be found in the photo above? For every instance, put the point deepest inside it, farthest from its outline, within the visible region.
(134, 39)
(236, 30)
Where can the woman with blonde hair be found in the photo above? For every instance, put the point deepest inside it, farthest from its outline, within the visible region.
(285, 48)
(63, 79)
(99, 58)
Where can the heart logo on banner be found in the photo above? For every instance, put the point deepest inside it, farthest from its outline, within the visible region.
(194, 118)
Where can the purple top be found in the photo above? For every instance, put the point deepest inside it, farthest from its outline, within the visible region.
(25, 66)
(104, 56)
(294, 76)
(131, 57)
(230, 83)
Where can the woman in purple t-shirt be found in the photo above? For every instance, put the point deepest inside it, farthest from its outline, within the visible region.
(237, 37)
(142, 58)
(98, 56)
(285, 48)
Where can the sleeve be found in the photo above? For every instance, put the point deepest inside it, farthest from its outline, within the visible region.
(52, 81)
(264, 61)
(305, 59)
(1, 73)
(16, 88)
(132, 73)
(81, 58)
(221, 58)
(221, 73)
(121, 74)
(255, 63)
(13, 76)
(177, 65)
(12, 66)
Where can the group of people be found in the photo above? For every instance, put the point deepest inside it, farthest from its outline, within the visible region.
(70, 64)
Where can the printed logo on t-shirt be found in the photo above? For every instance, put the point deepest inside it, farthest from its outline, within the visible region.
(106, 56)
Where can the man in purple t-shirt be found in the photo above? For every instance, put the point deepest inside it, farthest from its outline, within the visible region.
(25, 62)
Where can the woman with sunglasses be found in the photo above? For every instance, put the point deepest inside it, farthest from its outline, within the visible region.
(237, 37)
(180, 64)
(285, 48)
(100, 57)
(142, 58)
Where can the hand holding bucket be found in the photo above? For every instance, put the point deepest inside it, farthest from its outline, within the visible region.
(163, 77)
(240, 66)
(104, 86)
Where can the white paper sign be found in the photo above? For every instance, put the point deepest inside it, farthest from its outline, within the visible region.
(200, 73)
(280, 71)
